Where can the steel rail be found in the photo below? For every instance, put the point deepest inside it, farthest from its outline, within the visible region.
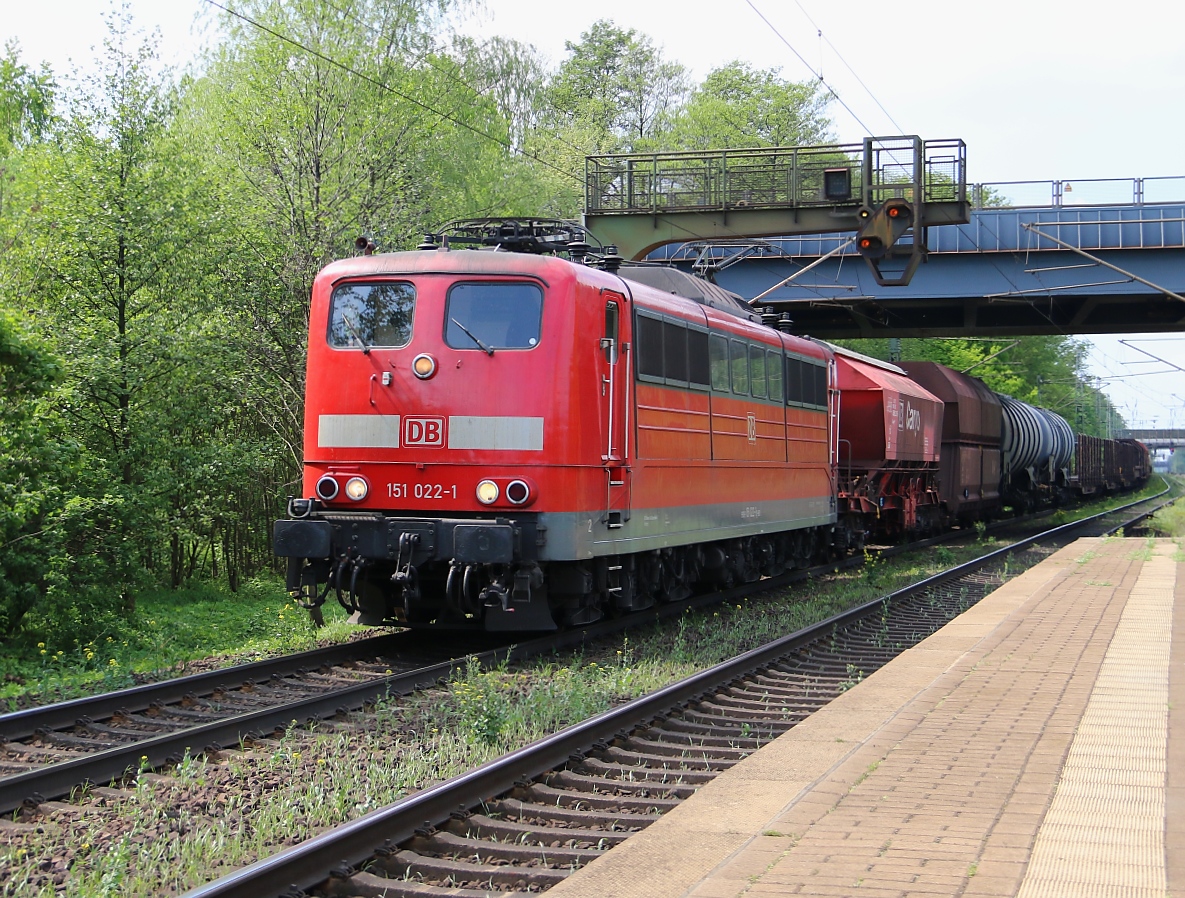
(349, 845)
(34, 786)
(114, 763)
(24, 723)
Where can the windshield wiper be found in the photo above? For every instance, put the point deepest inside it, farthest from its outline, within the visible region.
(357, 336)
(487, 349)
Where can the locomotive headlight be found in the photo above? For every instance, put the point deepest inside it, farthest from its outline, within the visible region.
(327, 487)
(357, 488)
(423, 366)
(487, 492)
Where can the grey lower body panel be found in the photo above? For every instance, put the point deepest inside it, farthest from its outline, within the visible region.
(579, 535)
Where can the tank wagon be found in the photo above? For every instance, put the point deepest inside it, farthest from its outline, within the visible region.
(1037, 449)
(511, 440)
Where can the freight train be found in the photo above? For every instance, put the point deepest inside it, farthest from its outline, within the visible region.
(515, 440)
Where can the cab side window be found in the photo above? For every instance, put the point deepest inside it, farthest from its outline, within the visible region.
(739, 358)
(718, 362)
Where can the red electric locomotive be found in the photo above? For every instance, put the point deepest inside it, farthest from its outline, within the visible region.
(516, 441)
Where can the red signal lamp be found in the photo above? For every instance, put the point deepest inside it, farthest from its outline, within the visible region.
(898, 212)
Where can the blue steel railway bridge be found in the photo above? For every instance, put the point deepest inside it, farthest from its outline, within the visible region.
(888, 239)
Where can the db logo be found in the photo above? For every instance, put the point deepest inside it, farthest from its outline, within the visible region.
(423, 431)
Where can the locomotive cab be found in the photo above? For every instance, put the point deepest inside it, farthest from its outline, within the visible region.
(436, 381)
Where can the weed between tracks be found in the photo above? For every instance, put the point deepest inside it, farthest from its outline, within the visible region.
(1169, 522)
(174, 832)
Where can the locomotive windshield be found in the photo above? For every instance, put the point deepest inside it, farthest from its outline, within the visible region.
(365, 315)
(491, 316)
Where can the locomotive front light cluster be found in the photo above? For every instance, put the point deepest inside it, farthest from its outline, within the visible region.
(327, 487)
(487, 492)
(357, 488)
(423, 366)
(504, 491)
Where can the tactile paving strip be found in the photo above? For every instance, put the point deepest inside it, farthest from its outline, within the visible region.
(1104, 832)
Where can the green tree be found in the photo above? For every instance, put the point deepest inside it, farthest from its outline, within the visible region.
(26, 100)
(118, 258)
(26, 110)
(615, 91)
(740, 106)
(1177, 462)
(30, 468)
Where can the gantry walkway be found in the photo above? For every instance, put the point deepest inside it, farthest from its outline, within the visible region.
(1035, 747)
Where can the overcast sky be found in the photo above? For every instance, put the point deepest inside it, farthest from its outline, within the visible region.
(1039, 90)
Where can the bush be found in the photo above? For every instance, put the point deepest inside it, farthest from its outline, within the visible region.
(65, 555)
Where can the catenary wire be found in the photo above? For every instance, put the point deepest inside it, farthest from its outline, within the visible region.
(840, 57)
(831, 90)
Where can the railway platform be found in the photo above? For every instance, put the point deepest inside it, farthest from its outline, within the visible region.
(1035, 746)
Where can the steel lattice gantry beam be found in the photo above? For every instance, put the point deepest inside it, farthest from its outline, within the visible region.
(638, 202)
(1156, 439)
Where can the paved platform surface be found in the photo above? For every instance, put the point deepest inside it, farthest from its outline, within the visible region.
(1035, 746)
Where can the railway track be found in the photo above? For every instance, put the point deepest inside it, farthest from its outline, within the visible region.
(48, 751)
(51, 751)
(526, 821)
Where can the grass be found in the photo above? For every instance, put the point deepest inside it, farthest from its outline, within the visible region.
(167, 633)
(1169, 522)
